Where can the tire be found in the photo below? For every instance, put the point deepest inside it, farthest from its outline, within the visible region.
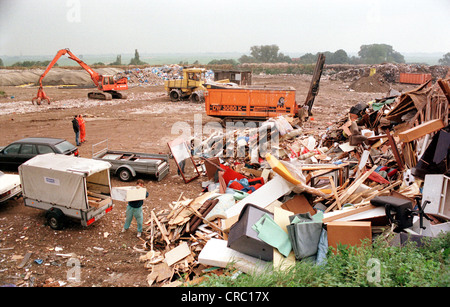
(175, 95)
(125, 174)
(197, 97)
(55, 219)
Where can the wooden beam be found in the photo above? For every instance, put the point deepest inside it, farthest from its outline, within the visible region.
(421, 130)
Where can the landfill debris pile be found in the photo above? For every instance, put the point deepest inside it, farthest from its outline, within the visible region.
(154, 76)
(389, 71)
(275, 194)
(371, 84)
(55, 77)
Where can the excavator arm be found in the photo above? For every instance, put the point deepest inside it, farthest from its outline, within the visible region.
(96, 78)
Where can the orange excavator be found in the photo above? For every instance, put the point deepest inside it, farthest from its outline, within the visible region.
(106, 85)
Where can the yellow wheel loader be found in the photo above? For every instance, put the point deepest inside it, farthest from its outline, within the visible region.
(191, 86)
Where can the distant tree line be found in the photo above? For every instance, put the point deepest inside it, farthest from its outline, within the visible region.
(445, 60)
(368, 54)
(29, 63)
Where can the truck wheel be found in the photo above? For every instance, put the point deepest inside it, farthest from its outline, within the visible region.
(125, 174)
(55, 219)
(175, 95)
(197, 97)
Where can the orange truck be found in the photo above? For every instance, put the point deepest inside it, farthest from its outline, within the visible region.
(250, 103)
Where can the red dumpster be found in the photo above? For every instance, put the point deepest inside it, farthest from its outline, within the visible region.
(414, 78)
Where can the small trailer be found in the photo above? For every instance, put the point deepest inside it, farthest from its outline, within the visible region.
(67, 187)
(127, 164)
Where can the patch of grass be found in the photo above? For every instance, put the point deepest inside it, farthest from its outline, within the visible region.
(375, 264)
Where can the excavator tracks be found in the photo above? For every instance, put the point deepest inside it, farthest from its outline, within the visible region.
(106, 95)
(100, 95)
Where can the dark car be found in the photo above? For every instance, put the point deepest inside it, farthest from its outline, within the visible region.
(20, 151)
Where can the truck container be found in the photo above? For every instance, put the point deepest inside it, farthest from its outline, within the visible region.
(414, 78)
(67, 187)
(250, 103)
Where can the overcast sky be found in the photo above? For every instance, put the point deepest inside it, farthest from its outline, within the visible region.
(42, 27)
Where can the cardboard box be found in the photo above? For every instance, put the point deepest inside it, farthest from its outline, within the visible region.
(348, 233)
(298, 204)
(130, 193)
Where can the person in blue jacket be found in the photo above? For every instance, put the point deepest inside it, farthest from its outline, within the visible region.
(134, 209)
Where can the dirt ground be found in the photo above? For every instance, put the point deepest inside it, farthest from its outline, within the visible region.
(143, 123)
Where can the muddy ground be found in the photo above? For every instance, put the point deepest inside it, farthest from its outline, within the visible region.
(143, 123)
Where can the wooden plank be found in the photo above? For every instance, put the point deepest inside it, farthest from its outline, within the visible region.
(444, 87)
(421, 130)
(178, 253)
(162, 228)
(333, 189)
(394, 149)
(348, 233)
(352, 188)
(346, 212)
(25, 260)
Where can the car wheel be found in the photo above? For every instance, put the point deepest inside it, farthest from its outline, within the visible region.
(125, 174)
(55, 219)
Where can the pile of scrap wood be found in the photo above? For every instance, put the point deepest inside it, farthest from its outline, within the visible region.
(363, 177)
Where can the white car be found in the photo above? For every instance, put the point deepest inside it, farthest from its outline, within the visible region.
(9, 186)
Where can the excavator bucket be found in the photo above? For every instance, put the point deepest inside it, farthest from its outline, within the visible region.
(40, 97)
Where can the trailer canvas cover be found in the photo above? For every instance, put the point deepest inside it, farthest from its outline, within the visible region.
(60, 179)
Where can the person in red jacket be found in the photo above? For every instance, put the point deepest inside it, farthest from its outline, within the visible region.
(82, 124)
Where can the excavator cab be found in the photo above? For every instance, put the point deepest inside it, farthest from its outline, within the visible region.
(107, 83)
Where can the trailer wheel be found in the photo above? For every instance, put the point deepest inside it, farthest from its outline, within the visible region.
(55, 218)
(125, 174)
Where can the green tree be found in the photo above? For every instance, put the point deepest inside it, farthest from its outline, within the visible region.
(445, 60)
(247, 59)
(32, 63)
(118, 60)
(340, 57)
(379, 53)
(223, 61)
(1, 63)
(265, 54)
(136, 60)
(308, 58)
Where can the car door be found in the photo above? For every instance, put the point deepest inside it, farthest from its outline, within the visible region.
(27, 151)
(9, 156)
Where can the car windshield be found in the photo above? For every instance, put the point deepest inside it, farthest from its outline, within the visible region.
(64, 146)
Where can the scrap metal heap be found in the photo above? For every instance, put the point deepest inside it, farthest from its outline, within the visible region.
(278, 193)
